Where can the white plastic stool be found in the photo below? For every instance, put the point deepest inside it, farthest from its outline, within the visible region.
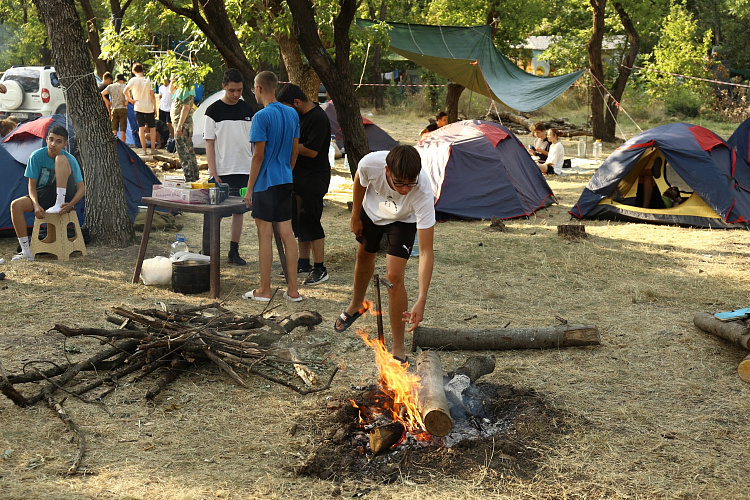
(57, 242)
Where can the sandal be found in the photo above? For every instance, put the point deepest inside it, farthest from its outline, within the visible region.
(344, 321)
(404, 362)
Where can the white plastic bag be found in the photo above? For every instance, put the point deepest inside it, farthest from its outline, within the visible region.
(182, 256)
(157, 271)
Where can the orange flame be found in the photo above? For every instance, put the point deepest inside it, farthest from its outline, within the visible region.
(400, 385)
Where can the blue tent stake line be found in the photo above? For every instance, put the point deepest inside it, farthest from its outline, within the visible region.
(15, 151)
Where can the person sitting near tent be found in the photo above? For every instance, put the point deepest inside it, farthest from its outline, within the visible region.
(441, 120)
(541, 144)
(55, 186)
(7, 125)
(671, 197)
(646, 196)
(556, 156)
(392, 196)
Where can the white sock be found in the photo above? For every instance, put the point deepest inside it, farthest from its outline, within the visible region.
(25, 249)
(58, 202)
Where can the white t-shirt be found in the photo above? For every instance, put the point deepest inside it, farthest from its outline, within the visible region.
(229, 126)
(383, 205)
(556, 156)
(142, 89)
(165, 98)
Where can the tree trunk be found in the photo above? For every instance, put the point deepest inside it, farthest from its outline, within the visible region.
(451, 101)
(597, 68)
(500, 339)
(618, 87)
(377, 55)
(433, 404)
(300, 74)
(106, 211)
(335, 74)
(218, 28)
(735, 332)
(92, 42)
(743, 369)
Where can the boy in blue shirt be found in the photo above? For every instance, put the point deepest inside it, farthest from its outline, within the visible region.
(55, 186)
(275, 137)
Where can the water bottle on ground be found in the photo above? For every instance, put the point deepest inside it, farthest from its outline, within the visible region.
(178, 245)
(332, 151)
(581, 148)
(598, 149)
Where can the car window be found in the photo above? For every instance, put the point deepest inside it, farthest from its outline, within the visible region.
(54, 80)
(27, 78)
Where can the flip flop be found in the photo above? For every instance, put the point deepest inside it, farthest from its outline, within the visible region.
(404, 362)
(251, 295)
(298, 298)
(344, 321)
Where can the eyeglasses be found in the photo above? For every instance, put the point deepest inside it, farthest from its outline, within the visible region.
(404, 184)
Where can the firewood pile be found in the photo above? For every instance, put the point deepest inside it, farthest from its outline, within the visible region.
(169, 341)
(520, 125)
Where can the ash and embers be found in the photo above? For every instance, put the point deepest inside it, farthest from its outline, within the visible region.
(497, 430)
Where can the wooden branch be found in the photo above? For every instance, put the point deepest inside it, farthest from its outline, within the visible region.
(302, 318)
(9, 391)
(498, 339)
(735, 332)
(101, 332)
(477, 366)
(177, 367)
(292, 386)
(225, 368)
(743, 370)
(433, 404)
(308, 376)
(58, 410)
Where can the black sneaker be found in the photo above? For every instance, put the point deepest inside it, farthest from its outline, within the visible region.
(299, 271)
(316, 276)
(234, 258)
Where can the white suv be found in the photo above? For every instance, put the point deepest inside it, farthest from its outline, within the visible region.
(32, 91)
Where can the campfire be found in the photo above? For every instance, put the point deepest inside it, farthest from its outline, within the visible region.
(406, 405)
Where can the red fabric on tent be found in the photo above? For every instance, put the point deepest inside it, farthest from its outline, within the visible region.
(35, 128)
(493, 134)
(707, 139)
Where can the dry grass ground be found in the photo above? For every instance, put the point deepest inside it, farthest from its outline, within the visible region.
(665, 410)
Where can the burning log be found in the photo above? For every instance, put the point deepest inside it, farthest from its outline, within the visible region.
(433, 404)
(735, 332)
(498, 339)
(385, 436)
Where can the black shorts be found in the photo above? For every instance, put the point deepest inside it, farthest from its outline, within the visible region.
(309, 190)
(274, 204)
(47, 195)
(144, 119)
(165, 116)
(399, 236)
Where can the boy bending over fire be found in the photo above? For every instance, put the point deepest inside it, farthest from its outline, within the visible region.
(392, 196)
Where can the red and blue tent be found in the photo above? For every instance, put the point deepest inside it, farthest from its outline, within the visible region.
(715, 188)
(740, 141)
(480, 170)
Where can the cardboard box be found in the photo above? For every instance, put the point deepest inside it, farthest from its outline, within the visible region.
(180, 195)
(176, 181)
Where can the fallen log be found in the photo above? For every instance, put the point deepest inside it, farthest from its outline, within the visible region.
(385, 436)
(735, 332)
(477, 366)
(433, 404)
(743, 370)
(498, 339)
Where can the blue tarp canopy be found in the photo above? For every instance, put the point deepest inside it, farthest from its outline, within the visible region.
(467, 56)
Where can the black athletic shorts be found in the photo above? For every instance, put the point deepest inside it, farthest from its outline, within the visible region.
(236, 182)
(274, 204)
(309, 190)
(399, 236)
(47, 195)
(144, 119)
(165, 116)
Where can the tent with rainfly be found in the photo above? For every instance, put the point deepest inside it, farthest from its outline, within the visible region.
(378, 138)
(480, 170)
(740, 141)
(715, 187)
(30, 136)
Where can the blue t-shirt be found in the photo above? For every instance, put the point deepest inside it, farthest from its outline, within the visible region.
(277, 125)
(42, 168)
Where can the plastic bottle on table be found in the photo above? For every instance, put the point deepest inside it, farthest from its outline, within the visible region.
(332, 151)
(581, 148)
(178, 245)
(598, 149)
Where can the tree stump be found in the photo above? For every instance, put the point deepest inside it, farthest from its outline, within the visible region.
(497, 225)
(743, 370)
(572, 231)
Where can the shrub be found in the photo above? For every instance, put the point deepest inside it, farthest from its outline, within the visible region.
(683, 102)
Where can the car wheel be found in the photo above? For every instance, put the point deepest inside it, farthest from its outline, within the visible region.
(61, 109)
(13, 97)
